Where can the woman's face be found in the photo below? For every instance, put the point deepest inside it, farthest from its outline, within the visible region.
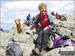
(42, 11)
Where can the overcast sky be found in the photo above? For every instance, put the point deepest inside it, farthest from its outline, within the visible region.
(11, 10)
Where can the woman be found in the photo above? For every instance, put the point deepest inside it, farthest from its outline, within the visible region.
(46, 22)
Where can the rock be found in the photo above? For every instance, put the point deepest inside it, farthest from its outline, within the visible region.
(26, 48)
(68, 24)
(23, 38)
(26, 27)
(64, 31)
(65, 24)
(50, 43)
(73, 34)
(13, 31)
(35, 36)
(5, 39)
(71, 17)
(2, 52)
(57, 51)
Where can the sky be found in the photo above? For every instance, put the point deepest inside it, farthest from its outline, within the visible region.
(11, 10)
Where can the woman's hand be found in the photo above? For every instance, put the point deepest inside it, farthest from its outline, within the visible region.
(45, 28)
(34, 31)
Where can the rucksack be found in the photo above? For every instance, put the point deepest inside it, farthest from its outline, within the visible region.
(13, 49)
(63, 42)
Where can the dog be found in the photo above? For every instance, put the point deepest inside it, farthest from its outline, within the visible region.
(19, 26)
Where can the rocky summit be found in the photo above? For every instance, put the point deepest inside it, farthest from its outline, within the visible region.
(26, 40)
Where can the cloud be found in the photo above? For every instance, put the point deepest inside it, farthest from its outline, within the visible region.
(70, 7)
(3, 21)
(22, 5)
(60, 6)
(11, 10)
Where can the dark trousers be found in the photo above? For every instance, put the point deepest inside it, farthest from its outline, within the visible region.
(42, 39)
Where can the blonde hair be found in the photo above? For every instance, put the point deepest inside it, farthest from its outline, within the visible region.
(42, 5)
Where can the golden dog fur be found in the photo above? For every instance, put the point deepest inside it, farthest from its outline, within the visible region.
(19, 26)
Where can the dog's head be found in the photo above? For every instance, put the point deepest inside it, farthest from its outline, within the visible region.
(17, 21)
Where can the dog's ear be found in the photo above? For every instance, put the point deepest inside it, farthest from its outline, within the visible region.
(14, 20)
